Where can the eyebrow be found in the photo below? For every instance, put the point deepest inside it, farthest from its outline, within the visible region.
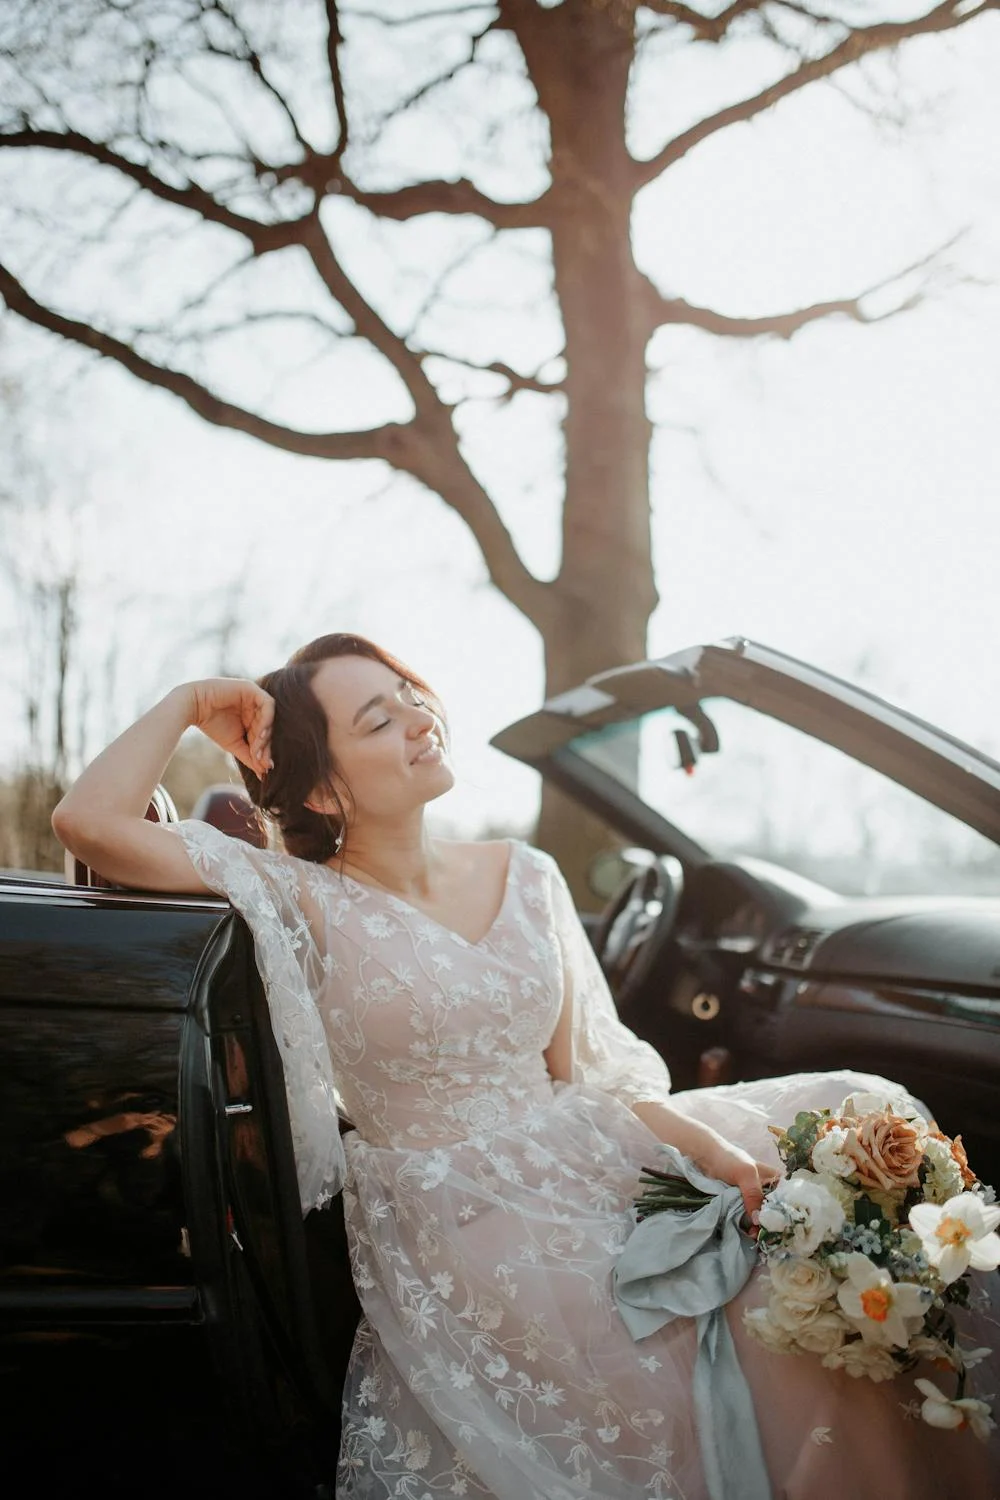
(374, 702)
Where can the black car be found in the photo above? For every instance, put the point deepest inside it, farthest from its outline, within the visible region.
(809, 880)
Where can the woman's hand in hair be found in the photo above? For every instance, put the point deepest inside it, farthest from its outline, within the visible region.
(237, 715)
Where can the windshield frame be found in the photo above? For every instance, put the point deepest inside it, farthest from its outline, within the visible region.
(937, 767)
(743, 784)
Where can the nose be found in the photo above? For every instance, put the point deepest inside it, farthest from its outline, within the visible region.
(422, 721)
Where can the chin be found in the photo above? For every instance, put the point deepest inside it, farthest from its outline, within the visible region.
(442, 781)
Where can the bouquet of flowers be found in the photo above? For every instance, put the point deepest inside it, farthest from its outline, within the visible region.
(869, 1239)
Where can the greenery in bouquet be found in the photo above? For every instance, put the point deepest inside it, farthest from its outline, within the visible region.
(869, 1240)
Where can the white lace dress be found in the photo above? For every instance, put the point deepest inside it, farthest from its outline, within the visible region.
(486, 1205)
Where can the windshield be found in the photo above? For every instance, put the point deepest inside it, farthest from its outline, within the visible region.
(775, 793)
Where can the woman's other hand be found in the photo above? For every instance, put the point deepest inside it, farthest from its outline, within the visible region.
(715, 1156)
(236, 715)
(731, 1164)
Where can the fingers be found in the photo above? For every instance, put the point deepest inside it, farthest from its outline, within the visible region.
(238, 715)
(758, 1179)
(753, 1193)
(259, 723)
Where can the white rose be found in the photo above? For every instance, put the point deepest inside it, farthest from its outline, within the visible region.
(797, 1280)
(793, 1317)
(826, 1332)
(828, 1153)
(803, 1211)
(858, 1358)
(838, 1188)
(758, 1321)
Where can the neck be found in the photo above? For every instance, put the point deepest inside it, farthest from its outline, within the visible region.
(399, 857)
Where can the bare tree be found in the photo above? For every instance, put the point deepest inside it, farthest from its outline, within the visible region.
(296, 158)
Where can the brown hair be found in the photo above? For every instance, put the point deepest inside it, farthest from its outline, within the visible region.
(303, 762)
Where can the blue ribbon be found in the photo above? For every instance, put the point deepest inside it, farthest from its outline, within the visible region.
(689, 1264)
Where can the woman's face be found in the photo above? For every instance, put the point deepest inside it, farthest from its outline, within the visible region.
(388, 744)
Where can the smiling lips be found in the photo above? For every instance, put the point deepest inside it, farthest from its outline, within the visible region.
(431, 752)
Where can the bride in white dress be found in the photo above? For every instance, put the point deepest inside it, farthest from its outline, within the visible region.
(447, 996)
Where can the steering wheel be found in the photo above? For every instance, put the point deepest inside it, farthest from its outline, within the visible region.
(637, 924)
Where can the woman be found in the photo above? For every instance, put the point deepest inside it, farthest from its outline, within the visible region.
(447, 993)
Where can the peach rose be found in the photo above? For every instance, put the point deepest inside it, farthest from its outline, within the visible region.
(886, 1151)
(961, 1160)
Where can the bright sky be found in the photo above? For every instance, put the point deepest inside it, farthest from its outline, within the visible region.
(836, 497)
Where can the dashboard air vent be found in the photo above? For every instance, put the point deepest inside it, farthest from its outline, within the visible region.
(794, 948)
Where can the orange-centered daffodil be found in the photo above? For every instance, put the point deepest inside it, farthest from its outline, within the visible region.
(958, 1234)
(884, 1311)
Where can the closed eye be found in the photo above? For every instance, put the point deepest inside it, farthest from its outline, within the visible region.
(412, 696)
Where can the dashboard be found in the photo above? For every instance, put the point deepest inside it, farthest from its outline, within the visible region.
(786, 923)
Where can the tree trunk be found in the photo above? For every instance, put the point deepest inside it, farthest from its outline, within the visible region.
(613, 635)
(605, 592)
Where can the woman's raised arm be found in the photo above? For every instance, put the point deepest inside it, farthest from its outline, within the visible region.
(102, 818)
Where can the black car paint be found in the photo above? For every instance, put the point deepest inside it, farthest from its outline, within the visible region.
(159, 1333)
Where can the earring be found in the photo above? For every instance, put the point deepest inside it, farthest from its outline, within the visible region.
(338, 842)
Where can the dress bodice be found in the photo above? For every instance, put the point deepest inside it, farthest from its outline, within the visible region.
(418, 1035)
(433, 1038)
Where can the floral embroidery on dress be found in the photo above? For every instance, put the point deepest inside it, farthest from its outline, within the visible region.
(486, 1203)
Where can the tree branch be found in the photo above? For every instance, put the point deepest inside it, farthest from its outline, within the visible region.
(264, 238)
(515, 381)
(334, 38)
(859, 42)
(440, 197)
(367, 321)
(248, 319)
(675, 310)
(252, 57)
(392, 442)
(424, 89)
(779, 325)
(434, 456)
(447, 14)
(705, 28)
(449, 476)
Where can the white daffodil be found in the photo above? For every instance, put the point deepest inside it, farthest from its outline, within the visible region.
(885, 1312)
(938, 1411)
(958, 1234)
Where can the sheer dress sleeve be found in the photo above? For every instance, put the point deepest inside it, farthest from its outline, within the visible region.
(264, 887)
(605, 1053)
